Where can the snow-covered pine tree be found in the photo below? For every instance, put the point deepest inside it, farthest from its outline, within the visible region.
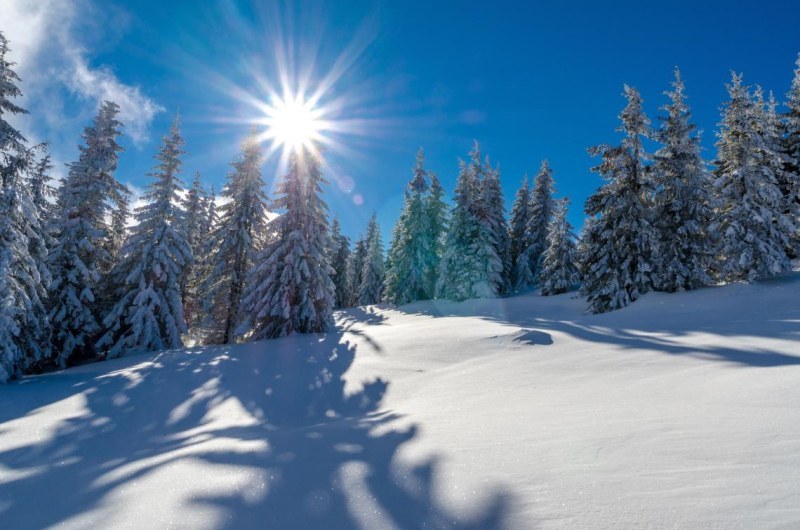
(290, 289)
(355, 269)
(339, 258)
(147, 279)
(436, 212)
(492, 213)
(750, 222)
(371, 289)
(237, 238)
(559, 261)
(80, 255)
(23, 277)
(120, 214)
(521, 275)
(470, 266)
(541, 211)
(617, 266)
(409, 252)
(195, 217)
(790, 180)
(42, 191)
(682, 199)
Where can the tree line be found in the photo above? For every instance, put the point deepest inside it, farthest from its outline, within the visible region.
(79, 282)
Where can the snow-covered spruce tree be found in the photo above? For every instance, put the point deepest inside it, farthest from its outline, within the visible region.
(120, 214)
(559, 262)
(541, 211)
(290, 289)
(409, 252)
(790, 177)
(237, 238)
(80, 255)
(147, 279)
(42, 191)
(470, 266)
(750, 221)
(355, 269)
(682, 200)
(195, 217)
(339, 258)
(492, 213)
(521, 275)
(436, 212)
(373, 275)
(23, 277)
(617, 266)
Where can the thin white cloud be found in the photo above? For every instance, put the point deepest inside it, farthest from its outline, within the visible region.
(48, 40)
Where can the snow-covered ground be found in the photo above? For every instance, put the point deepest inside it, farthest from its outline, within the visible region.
(680, 411)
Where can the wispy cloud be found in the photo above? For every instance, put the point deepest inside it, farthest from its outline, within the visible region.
(48, 40)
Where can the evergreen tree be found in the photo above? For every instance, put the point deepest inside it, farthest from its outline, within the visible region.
(42, 191)
(410, 251)
(148, 313)
(790, 177)
(290, 288)
(470, 266)
(436, 212)
(339, 258)
(195, 219)
(750, 220)
(521, 276)
(682, 200)
(492, 214)
(541, 211)
(617, 268)
(356, 270)
(119, 226)
(238, 236)
(23, 277)
(80, 255)
(559, 262)
(372, 278)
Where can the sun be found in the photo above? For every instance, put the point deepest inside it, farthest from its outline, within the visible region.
(293, 122)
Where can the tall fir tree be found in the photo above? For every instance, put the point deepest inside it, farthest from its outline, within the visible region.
(682, 200)
(752, 227)
(148, 312)
(541, 211)
(521, 275)
(23, 275)
(492, 213)
(290, 288)
(43, 192)
(339, 259)
(436, 213)
(470, 266)
(80, 256)
(237, 238)
(195, 218)
(790, 181)
(374, 272)
(617, 267)
(410, 251)
(355, 269)
(559, 261)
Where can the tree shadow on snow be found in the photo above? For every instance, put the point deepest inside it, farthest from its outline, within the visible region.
(273, 414)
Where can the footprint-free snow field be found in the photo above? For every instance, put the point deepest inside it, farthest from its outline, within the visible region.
(681, 410)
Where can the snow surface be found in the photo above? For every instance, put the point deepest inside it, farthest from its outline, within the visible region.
(681, 410)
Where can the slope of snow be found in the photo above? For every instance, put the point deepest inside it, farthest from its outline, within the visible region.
(679, 411)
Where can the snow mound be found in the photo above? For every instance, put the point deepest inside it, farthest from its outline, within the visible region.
(679, 411)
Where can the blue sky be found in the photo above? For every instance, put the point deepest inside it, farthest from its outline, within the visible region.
(529, 80)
